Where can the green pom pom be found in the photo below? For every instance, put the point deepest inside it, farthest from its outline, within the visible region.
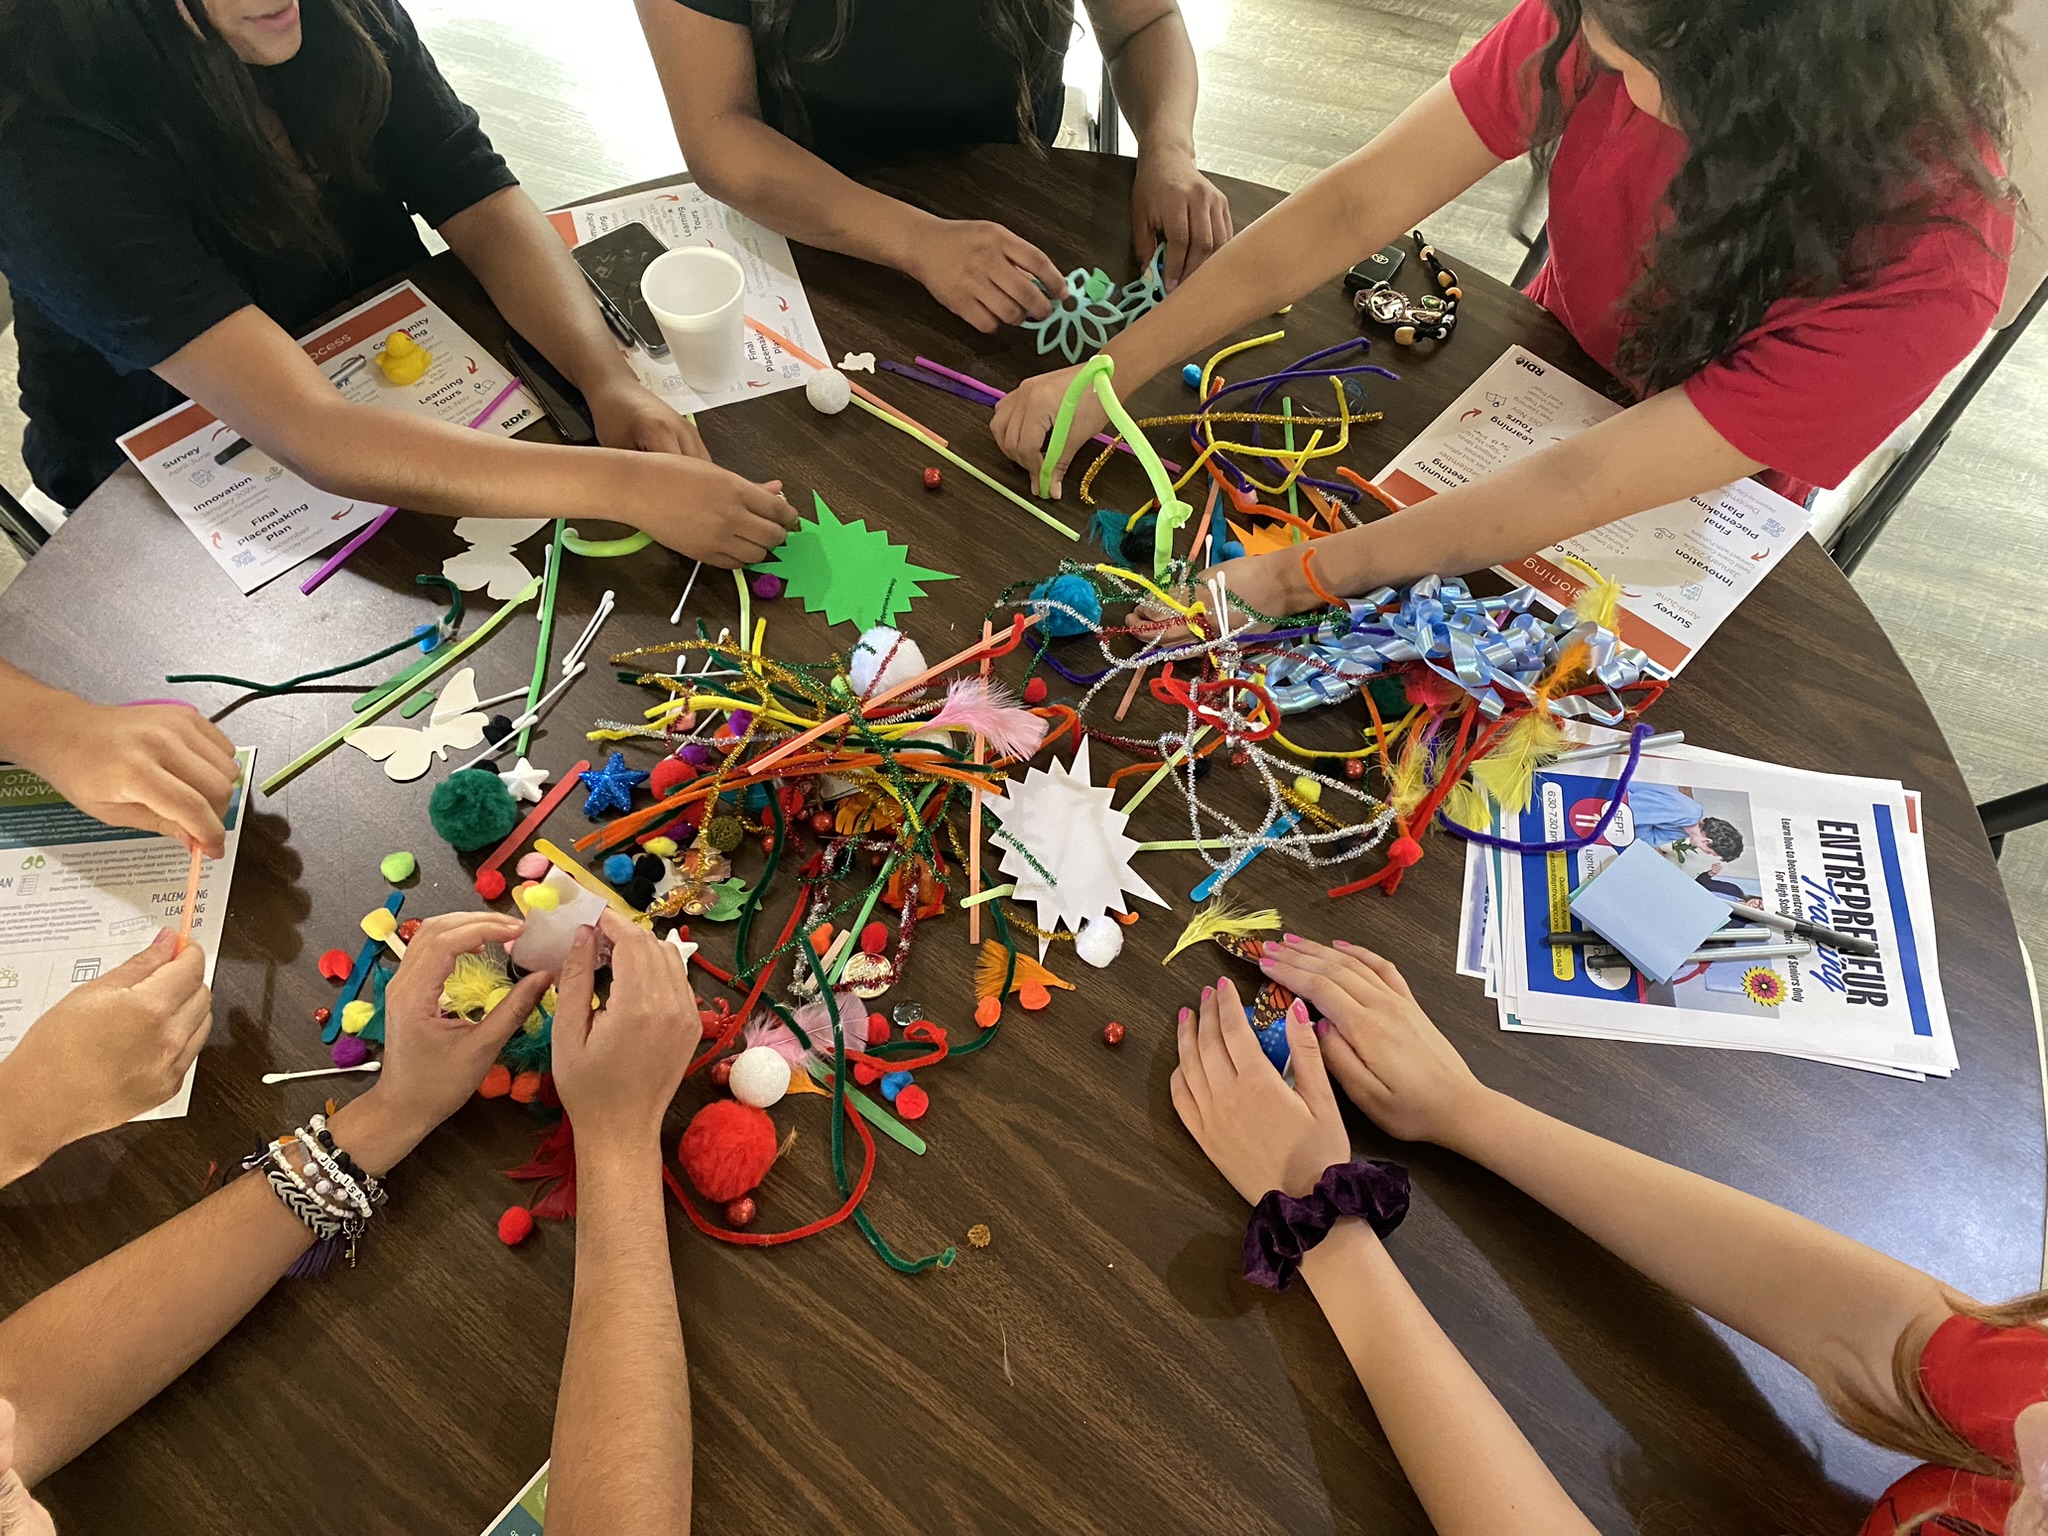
(473, 809)
(398, 867)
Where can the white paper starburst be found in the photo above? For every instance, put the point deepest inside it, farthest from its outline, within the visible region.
(1075, 836)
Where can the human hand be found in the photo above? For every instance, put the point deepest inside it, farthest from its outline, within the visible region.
(1261, 1134)
(1174, 202)
(1381, 1047)
(111, 1049)
(700, 510)
(20, 1515)
(617, 1069)
(433, 1060)
(631, 418)
(984, 274)
(157, 767)
(1024, 419)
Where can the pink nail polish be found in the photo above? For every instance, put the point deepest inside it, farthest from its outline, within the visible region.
(1207, 993)
(1293, 938)
(1184, 1015)
(1322, 1028)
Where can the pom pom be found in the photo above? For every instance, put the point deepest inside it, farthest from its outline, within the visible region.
(727, 1150)
(695, 753)
(912, 1102)
(397, 867)
(322, 1015)
(829, 391)
(987, 1011)
(740, 1212)
(1112, 1033)
(1067, 605)
(1098, 940)
(408, 929)
(1035, 691)
(767, 587)
(356, 1016)
(759, 1076)
(638, 893)
(349, 1051)
(874, 938)
(649, 867)
(490, 884)
(619, 868)
(721, 1071)
(537, 897)
(1191, 375)
(472, 810)
(496, 729)
(669, 775)
(1309, 789)
(1033, 996)
(336, 964)
(525, 1088)
(878, 1029)
(533, 866)
(661, 847)
(497, 1082)
(881, 659)
(893, 1084)
(515, 1226)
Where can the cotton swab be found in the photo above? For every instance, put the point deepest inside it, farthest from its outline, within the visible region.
(293, 1077)
(528, 719)
(574, 655)
(688, 587)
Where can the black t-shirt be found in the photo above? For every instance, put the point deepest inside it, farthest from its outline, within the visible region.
(911, 74)
(113, 269)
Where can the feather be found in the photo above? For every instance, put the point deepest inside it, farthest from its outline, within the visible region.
(815, 1020)
(1600, 600)
(1467, 806)
(1219, 919)
(992, 712)
(1411, 774)
(1429, 688)
(988, 971)
(1508, 771)
(473, 987)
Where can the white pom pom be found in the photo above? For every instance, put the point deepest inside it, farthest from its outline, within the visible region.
(882, 658)
(760, 1077)
(828, 391)
(1099, 940)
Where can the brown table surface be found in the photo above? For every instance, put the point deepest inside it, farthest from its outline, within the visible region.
(1100, 1368)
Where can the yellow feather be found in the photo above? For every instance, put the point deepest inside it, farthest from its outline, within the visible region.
(1411, 776)
(1467, 807)
(1601, 600)
(1508, 771)
(473, 987)
(1220, 917)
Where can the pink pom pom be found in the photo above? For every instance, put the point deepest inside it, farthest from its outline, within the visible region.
(533, 866)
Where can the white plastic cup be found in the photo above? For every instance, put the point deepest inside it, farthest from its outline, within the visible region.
(698, 296)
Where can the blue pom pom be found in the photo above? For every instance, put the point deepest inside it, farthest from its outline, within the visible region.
(1232, 550)
(1191, 375)
(1106, 527)
(1071, 592)
(619, 868)
(894, 1083)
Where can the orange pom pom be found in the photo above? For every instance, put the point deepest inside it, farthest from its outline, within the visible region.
(1033, 996)
(525, 1088)
(821, 938)
(497, 1082)
(987, 1011)
(727, 1149)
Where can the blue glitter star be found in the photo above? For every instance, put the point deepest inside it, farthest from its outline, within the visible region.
(611, 787)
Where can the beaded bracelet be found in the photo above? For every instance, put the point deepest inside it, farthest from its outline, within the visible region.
(335, 1206)
(1429, 318)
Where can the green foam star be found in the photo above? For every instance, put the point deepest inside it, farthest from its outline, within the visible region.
(848, 571)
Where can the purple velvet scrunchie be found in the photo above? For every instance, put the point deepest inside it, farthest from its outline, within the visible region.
(1283, 1228)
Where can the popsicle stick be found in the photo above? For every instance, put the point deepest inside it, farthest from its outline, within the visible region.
(535, 817)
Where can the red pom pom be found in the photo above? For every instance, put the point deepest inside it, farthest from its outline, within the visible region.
(322, 1015)
(727, 1149)
(515, 1226)
(740, 1212)
(878, 1028)
(867, 1072)
(912, 1102)
(490, 884)
(874, 939)
(336, 964)
(497, 1082)
(1403, 851)
(669, 775)
(1035, 691)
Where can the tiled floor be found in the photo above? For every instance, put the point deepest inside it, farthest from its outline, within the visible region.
(1289, 86)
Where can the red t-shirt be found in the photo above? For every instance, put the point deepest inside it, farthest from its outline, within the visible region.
(1822, 382)
(1977, 1378)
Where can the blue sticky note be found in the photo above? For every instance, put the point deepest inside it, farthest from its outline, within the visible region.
(1649, 909)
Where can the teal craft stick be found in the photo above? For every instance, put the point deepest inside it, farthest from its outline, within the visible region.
(1277, 828)
(551, 580)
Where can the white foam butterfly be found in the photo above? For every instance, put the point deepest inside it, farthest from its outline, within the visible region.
(454, 722)
(489, 561)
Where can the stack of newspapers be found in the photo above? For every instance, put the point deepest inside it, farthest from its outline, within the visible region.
(1838, 853)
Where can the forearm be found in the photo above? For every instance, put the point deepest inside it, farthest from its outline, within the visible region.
(535, 283)
(621, 1457)
(87, 1353)
(1470, 1465)
(25, 707)
(1824, 1302)
(1157, 84)
(26, 1139)
(1424, 157)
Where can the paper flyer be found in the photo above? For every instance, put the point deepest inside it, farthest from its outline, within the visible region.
(526, 1515)
(1684, 568)
(1844, 852)
(681, 214)
(78, 897)
(258, 519)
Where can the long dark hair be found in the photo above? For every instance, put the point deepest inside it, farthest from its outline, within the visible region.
(1817, 131)
(1031, 31)
(142, 74)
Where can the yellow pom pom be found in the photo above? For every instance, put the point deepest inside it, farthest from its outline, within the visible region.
(543, 898)
(380, 924)
(661, 847)
(1309, 789)
(356, 1016)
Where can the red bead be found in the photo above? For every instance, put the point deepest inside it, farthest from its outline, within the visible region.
(1035, 691)
(1354, 767)
(490, 884)
(515, 1226)
(740, 1212)
(407, 929)
(1240, 758)
(878, 1028)
(322, 1015)
(822, 823)
(767, 842)
(912, 1102)
(874, 939)
(932, 478)
(721, 1071)
(336, 964)
(1112, 1033)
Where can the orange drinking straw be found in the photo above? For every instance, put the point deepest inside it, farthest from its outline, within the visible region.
(974, 811)
(191, 901)
(868, 395)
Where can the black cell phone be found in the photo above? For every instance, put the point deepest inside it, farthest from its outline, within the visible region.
(562, 400)
(613, 263)
(1377, 268)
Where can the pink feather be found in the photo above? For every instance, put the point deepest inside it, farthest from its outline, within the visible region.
(991, 711)
(816, 1021)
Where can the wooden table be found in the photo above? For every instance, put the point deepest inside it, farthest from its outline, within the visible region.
(1100, 1368)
